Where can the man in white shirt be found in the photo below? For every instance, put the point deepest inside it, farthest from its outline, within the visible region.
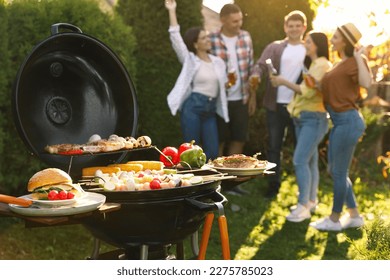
(287, 56)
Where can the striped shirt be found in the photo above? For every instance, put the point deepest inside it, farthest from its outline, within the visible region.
(244, 50)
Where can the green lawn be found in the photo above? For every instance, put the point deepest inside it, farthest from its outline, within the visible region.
(257, 231)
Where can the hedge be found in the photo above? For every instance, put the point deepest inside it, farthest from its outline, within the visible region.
(23, 24)
(157, 64)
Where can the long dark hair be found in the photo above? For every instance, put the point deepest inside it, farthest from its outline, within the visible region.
(191, 37)
(322, 44)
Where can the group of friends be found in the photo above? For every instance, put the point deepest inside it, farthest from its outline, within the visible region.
(302, 90)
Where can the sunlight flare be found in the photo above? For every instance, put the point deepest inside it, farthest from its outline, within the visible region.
(372, 17)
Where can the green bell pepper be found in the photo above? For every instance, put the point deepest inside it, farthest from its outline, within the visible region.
(194, 157)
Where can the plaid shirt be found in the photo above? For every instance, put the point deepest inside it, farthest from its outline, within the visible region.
(244, 50)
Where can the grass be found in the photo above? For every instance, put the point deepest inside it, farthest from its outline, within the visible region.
(257, 231)
(260, 231)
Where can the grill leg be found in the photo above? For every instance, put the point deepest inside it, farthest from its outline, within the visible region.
(144, 252)
(223, 230)
(205, 235)
(96, 249)
(180, 251)
(195, 243)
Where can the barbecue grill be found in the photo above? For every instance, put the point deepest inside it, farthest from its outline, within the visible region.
(72, 86)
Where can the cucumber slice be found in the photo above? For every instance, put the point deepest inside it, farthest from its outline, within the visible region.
(170, 171)
(196, 180)
(187, 176)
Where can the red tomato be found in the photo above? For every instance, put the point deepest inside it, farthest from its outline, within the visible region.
(155, 184)
(70, 195)
(62, 195)
(186, 146)
(53, 195)
(172, 154)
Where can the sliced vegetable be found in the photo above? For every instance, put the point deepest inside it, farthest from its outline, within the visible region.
(196, 180)
(169, 171)
(62, 195)
(72, 152)
(53, 195)
(109, 186)
(70, 195)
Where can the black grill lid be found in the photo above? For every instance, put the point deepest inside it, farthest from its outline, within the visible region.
(70, 87)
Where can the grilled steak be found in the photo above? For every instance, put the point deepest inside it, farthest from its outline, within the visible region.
(238, 161)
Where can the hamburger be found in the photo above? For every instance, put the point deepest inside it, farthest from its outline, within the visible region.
(53, 184)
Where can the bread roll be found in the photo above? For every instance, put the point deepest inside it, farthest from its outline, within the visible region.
(49, 176)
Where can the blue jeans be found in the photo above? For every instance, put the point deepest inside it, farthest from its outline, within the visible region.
(343, 138)
(310, 129)
(199, 123)
(278, 123)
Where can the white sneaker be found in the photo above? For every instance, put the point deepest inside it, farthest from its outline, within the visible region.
(348, 222)
(326, 224)
(299, 214)
(312, 206)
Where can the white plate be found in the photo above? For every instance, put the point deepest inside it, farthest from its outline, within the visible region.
(244, 171)
(52, 203)
(89, 202)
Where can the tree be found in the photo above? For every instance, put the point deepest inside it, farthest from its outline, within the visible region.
(264, 19)
(157, 64)
(24, 23)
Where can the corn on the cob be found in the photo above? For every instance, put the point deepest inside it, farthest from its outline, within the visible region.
(149, 164)
(128, 166)
(90, 171)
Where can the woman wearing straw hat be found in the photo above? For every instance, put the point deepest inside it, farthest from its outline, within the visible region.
(340, 89)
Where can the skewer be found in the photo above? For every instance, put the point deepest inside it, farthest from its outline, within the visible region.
(193, 170)
(217, 178)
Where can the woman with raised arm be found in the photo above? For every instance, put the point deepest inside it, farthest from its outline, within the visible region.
(199, 92)
(341, 90)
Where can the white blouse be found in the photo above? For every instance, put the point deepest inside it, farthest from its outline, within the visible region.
(191, 63)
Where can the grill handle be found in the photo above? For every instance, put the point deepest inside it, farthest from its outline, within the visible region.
(55, 28)
(207, 207)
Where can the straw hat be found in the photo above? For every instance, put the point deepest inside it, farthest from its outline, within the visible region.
(350, 32)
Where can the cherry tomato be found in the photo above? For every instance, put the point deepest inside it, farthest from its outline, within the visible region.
(62, 195)
(172, 154)
(53, 195)
(70, 195)
(155, 184)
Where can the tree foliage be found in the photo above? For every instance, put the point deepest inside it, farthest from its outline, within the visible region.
(23, 24)
(264, 20)
(157, 64)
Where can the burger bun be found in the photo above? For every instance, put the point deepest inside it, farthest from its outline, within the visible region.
(49, 176)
